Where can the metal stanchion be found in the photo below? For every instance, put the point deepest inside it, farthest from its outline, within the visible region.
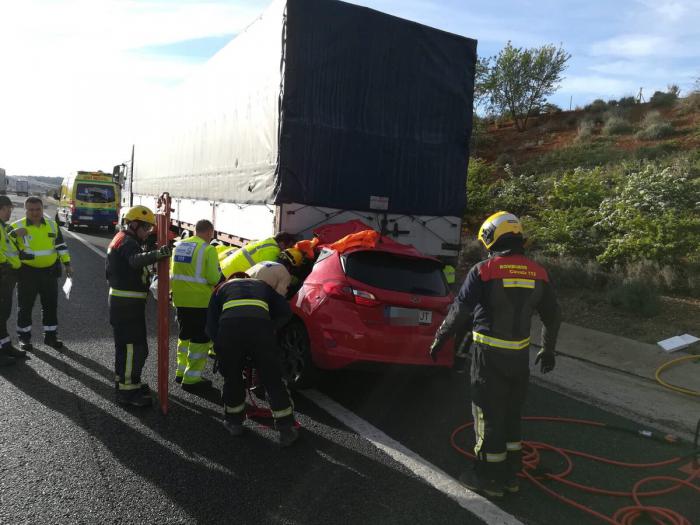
(163, 225)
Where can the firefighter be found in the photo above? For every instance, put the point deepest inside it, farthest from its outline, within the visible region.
(42, 250)
(256, 251)
(496, 303)
(9, 264)
(194, 271)
(242, 318)
(298, 267)
(127, 273)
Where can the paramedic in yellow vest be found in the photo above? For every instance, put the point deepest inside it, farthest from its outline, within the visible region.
(256, 252)
(42, 251)
(194, 271)
(9, 264)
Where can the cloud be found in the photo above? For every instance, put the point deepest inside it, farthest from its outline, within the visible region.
(605, 86)
(634, 46)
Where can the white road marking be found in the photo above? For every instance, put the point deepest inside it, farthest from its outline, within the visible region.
(474, 503)
(86, 243)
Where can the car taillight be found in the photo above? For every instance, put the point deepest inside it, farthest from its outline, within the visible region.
(342, 290)
(71, 204)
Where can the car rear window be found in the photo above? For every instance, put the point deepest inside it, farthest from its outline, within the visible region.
(97, 193)
(400, 274)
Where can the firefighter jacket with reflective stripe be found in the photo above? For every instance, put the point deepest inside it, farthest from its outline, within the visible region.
(43, 244)
(246, 298)
(497, 302)
(194, 271)
(126, 268)
(250, 255)
(8, 249)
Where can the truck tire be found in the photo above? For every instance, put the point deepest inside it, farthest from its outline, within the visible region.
(297, 366)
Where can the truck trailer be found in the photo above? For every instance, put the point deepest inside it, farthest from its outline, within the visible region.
(3, 182)
(22, 187)
(319, 112)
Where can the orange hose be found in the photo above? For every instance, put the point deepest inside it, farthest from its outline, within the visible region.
(623, 516)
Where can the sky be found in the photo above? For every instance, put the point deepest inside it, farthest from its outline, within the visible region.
(80, 78)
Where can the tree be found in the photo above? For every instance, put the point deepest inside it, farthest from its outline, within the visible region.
(520, 79)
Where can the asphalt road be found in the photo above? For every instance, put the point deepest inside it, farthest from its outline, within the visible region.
(68, 454)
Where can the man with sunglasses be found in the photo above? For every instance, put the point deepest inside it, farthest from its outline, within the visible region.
(127, 274)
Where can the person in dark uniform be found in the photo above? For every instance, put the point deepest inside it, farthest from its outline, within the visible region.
(127, 273)
(9, 265)
(496, 303)
(242, 318)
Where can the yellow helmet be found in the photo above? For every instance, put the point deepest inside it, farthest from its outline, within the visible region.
(498, 225)
(140, 213)
(294, 256)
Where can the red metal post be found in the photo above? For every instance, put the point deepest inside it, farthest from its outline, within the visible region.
(163, 225)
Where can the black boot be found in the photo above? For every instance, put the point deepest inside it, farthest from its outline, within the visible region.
(481, 485)
(10, 350)
(288, 436)
(51, 339)
(26, 345)
(514, 465)
(134, 398)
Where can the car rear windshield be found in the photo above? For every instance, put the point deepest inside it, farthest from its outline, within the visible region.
(96, 193)
(399, 274)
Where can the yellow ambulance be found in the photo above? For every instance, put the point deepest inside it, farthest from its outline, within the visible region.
(89, 198)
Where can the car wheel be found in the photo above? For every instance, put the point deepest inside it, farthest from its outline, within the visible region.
(298, 368)
(69, 223)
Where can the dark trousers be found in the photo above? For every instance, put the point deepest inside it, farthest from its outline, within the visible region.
(192, 323)
(241, 338)
(32, 282)
(499, 384)
(130, 344)
(8, 279)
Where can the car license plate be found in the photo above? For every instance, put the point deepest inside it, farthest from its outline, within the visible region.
(408, 316)
(86, 217)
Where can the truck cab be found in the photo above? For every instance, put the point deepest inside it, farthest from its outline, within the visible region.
(89, 198)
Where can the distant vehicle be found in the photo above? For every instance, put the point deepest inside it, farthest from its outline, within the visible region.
(22, 187)
(3, 182)
(373, 305)
(88, 198)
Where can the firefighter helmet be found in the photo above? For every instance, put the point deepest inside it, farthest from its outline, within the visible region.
(140, 213)
(293, 255)
(499, 224)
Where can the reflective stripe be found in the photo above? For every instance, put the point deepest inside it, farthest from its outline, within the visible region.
(518, 283)
(5, 340)
(50, 328)
(127, 293)
(129, 363)
(282, 413)
(24, 329)
(194, 373)
(188, 278)
(479, 429)
(196, 356)
(248, 256)
(496, 458)
(501, 343)
(261, 247)
(514, 446)
(245, 302)
(123, 386)
(39, 253)
(234, 410)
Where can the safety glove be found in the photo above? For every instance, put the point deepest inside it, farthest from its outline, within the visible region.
(163, 252)
(546, 360)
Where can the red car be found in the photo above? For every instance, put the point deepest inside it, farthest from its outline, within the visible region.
(382, 305)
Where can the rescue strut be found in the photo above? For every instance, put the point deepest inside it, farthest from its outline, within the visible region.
(163, 227)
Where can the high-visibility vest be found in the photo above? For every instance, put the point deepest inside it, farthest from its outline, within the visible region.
(8, 249)
(40, 242)
(449, 272)
(194, 271)
(223, 251)
(250, 255)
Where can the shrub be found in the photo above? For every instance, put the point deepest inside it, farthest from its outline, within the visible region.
(597, 106)
(663, 100)
(617, 126)
(575, 273)
(479, 195)
(654, 127)
(690, 104)
(657, 151)
(612, 103)
(627, 102)
(636, 297)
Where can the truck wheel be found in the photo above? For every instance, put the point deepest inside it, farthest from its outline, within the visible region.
(298, 368)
